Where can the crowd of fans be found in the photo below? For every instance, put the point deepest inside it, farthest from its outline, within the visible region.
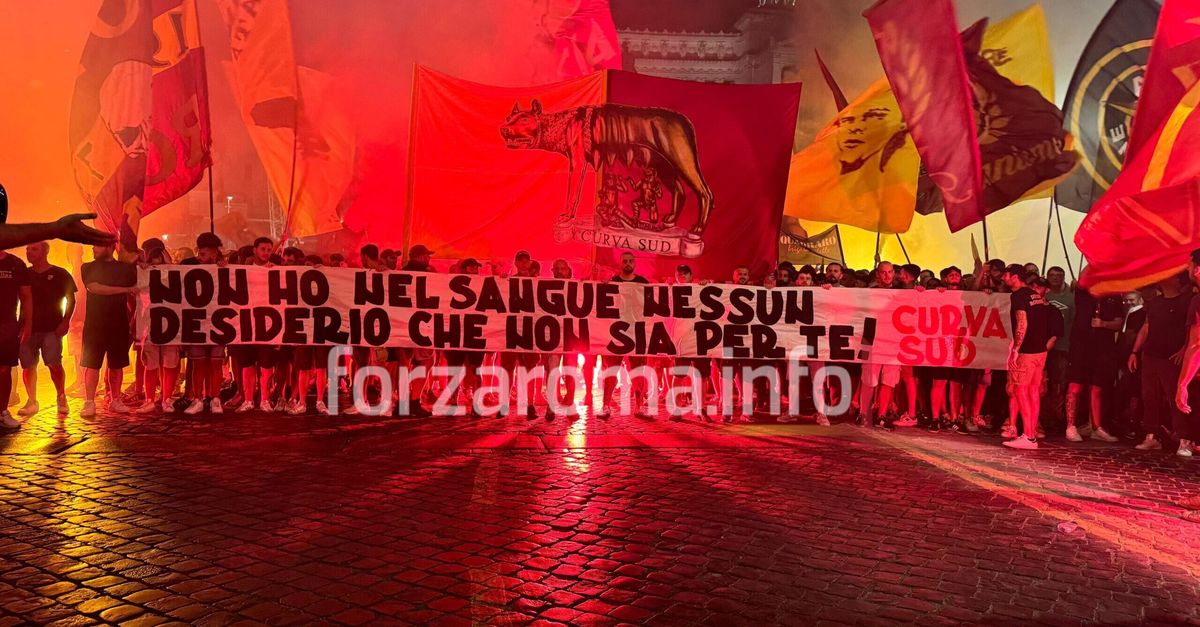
(1104, 368)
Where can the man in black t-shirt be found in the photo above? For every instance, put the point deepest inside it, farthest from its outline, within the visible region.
(1036, 325)
(14, 289)
(53, 291)
(1157, 352)
(106, 334)
(205, 361)
(1092, 359)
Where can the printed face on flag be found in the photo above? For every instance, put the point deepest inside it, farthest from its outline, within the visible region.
(863, 134)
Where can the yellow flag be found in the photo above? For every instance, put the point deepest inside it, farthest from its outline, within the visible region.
(1019, 48)
(861, 170)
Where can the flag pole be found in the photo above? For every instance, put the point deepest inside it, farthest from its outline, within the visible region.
(1046, 248)
(1063, 237)
(212, 221)
(837, 228)
(986, 255)
(410, 184)
(903, 249)
(212, 228)
(877, 236)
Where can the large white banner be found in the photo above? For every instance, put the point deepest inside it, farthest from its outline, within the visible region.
(344, 306)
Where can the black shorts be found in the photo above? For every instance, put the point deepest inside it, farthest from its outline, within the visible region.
(106, 346)
(509, 360)
(953, 375)
(255, 355)
(10, 343)
(470, 359)
(1092, 366)
(310, 357)
(703, 365)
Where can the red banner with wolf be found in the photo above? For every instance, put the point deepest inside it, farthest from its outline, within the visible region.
(489, 174)
(711, 193)
(587, 169)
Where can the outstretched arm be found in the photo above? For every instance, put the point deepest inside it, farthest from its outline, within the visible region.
(69, 228)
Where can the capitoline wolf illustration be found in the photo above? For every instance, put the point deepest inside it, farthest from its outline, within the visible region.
(598, 135)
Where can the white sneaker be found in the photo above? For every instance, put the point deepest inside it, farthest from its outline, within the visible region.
(8, 422)
(89, 409)
(215, 407)
(148, 407)
(296, 409)
(1022, 443)
(322, 408)
(1073, 434)
(282, 406)
(971, 426)
(351, 410)
(1185, 448)
(1008, 431)
(787, 419)
(168, 406)
(63, 407)
(116, 406)
(196, 406)
(29, 409)
(822, 420)
(1102, 435)
(1151, 443)
(905, 420)
(247, 405)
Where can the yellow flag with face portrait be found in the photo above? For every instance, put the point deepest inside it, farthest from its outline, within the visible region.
(861, 170)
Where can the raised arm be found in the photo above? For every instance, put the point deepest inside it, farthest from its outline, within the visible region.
(69, 228)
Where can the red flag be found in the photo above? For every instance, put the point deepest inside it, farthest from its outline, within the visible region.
(478, 193)
(1173, 67)
(306, 146)
(727, 211)
(139, 129)
(684, 170)
(584, 36)
(179, 125)
(1145, 226)
(922, 54)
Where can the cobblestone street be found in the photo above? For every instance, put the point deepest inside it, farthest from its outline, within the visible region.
(294, 520)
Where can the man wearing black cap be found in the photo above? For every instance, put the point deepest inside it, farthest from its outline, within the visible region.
(521, 263)
(205, 361)
(523, 266)
(419, 257)
(53, 292)
(470, 361)
(390, 258)
(159, 363)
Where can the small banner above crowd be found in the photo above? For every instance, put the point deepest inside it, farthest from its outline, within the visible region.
(352, 307)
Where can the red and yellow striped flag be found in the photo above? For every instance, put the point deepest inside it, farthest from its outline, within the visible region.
(1148, 222)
